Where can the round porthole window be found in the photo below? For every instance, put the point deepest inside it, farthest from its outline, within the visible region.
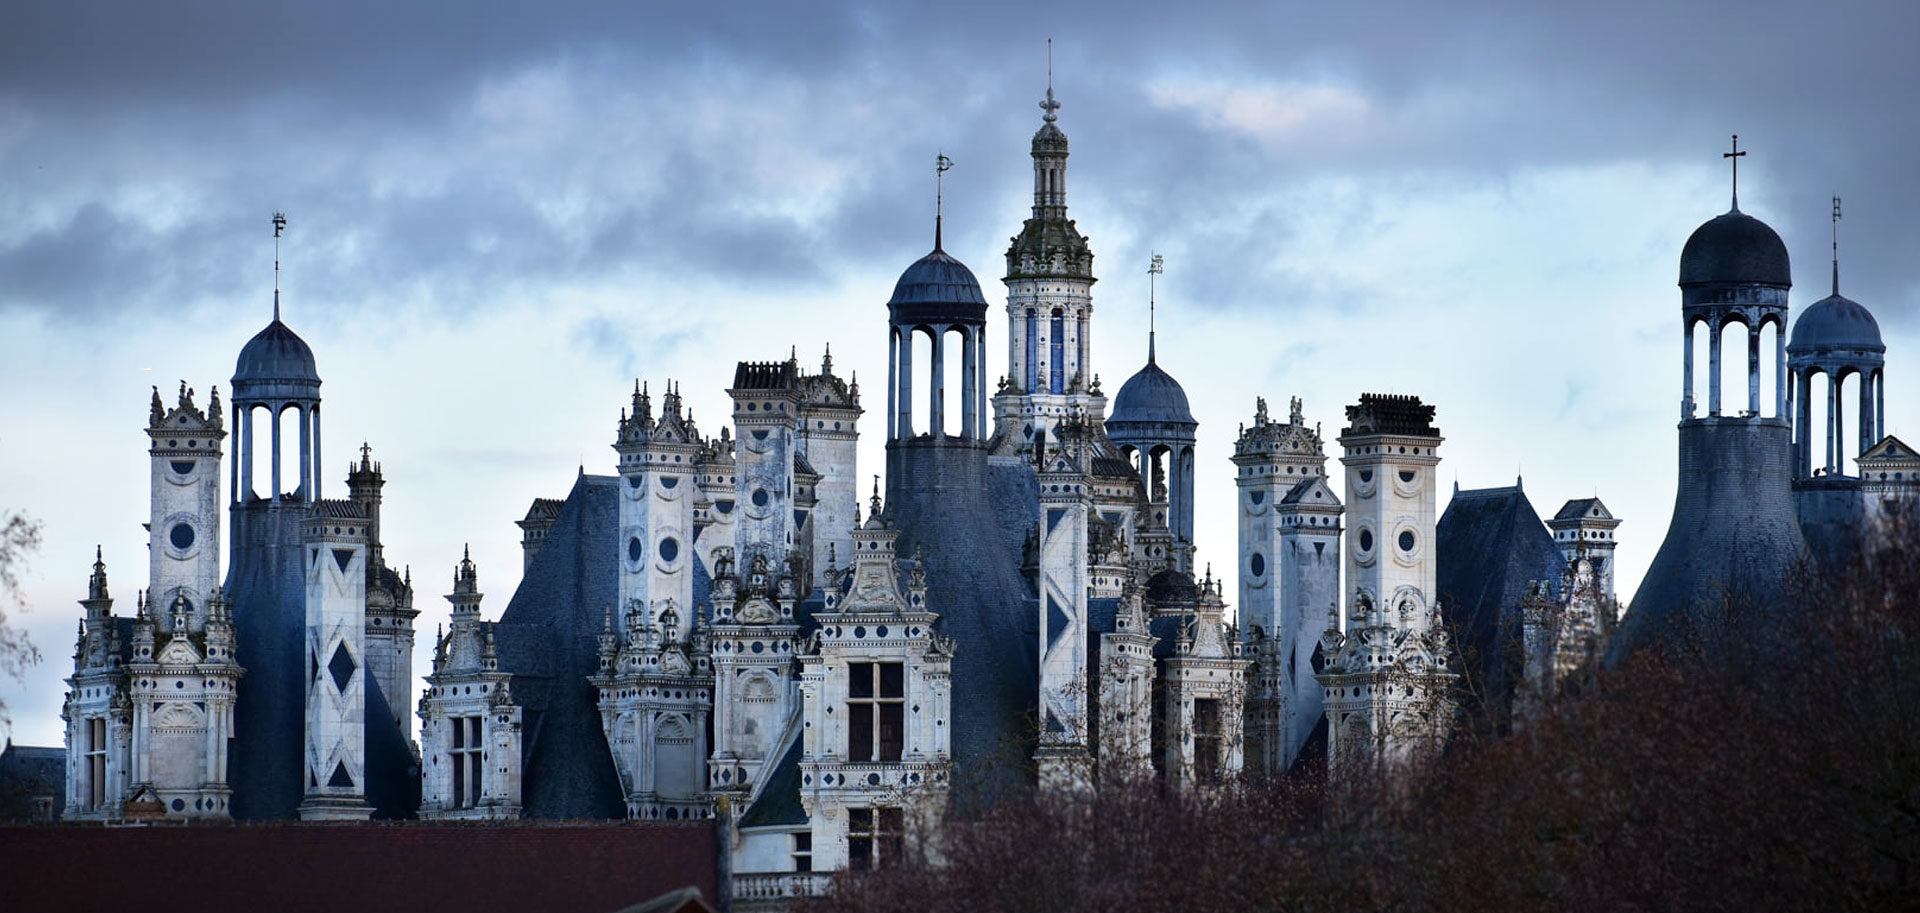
(635, 550)
(1258, 564)
(1366, 540)
(1406, 540)
(669, 548)
(181, 536)
(759, 497)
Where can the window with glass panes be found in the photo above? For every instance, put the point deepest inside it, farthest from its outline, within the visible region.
(876, 717)
(1206, 739)
(96, 763)
(803, 852)
(466, 754)
(873, 837)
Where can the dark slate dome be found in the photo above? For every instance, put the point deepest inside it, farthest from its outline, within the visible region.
(1152, 395)
(1171, 587)
(276, 354)
(1735, 247)
(1834, 322)
(938, 286)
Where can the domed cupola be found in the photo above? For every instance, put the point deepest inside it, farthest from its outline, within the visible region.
(1835, 323)
(937, 289)
(1151, 395)
(1837, 339)
(275, 355)
(938, 297)
(1735, 247)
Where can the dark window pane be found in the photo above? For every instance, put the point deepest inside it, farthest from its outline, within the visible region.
(860, 820)
(459, 782)
(803, 863)
(860, 732)
(889, 851)
(891, 680)
(859, 679)
(459, 732)
(860, 853)
(803, 843)
(892, 731)
(891, 820)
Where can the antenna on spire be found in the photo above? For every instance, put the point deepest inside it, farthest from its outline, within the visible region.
(1050, 105)
(1736, 155)
(1836, 246)
(279, 225)
(940, 166)
(1154, 268)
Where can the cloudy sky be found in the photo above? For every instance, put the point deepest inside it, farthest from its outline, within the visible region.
(501, 214)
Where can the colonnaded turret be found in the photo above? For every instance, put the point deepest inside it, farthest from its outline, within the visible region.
(1734, 534)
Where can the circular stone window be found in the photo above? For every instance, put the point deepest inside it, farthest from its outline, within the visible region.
(635, 550)
(669, 548)
(1406, 540)
(1258, 564)
(759, 497)
(1366, 540)
(181, 536)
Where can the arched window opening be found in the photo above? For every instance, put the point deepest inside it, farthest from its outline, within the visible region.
(923, 378)
(257, 473)
(1031, 383)
(1157, 482)
(1846, 421)
(1770, 396)
(953, 380)
(1734, 373)
(1056, 354)
(287, 449)
(1698, 362)
(1818, 416)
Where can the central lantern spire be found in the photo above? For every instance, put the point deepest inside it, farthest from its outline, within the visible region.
(1049, 292)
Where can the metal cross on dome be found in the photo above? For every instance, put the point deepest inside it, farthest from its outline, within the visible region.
(1735, 155)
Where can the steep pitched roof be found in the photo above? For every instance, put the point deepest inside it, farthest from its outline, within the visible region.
(1583, 508)
(1491, 545)
(545, 638)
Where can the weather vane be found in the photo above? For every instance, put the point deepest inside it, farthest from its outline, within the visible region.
(279, 225)
(940, 167)
(1155, 267)
(1050, 106)
(1736, 155)
(1836, 245)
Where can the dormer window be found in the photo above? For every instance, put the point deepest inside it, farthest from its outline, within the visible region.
(876, 727)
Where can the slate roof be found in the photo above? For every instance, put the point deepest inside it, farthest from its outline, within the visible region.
(1491, 546)
(27, 772)
(973, 552)
(779, 800)
(546, 638)
(1735, 247)
(1581, 508)
(1151, 395)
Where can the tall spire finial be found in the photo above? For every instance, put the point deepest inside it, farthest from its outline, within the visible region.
(940, 165)
(1154, 269)
(1736, 155)
(1836, 246)
(1050, 105)
(279, 225)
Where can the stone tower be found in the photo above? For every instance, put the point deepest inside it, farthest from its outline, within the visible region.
(470, 723)
(336, 694)
(1837, 339)
(1289, 552)
(828, 439)
(1584, 528)
(1734, 532)
(1049, 307)
(266, 578)
(1152, 424)
(390, 611)
(1387, 680)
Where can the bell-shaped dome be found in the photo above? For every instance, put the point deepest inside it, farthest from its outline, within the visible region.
(1834, 322)
(276, 354)
(1735, 247)
(1151, 395)
(938, 288)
